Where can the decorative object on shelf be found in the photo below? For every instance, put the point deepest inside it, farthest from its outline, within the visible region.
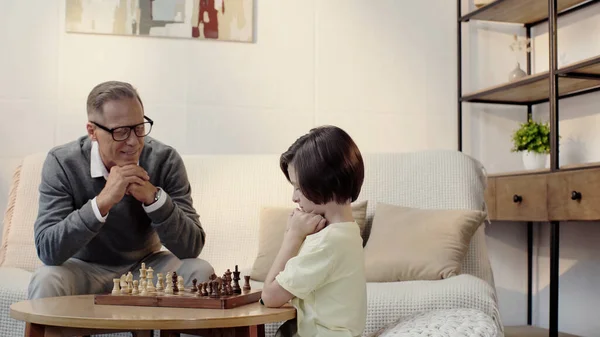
(517, 46)
(533, 140)
(516, 73)
(481, 3)
(225, 20)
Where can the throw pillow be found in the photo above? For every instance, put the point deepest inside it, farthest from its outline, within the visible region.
(418, 244)
(272, 222)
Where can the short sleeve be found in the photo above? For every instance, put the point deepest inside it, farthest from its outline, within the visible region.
(307, 271)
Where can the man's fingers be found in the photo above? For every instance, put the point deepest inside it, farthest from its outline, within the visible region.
(135, 180)
(134, 170)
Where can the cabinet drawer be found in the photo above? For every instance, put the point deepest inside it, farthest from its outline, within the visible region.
(574, 195)
(521, 198)
(490, 198)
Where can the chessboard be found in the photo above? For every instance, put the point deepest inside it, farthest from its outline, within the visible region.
(217, 293)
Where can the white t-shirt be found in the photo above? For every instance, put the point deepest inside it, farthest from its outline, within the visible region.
(327, 278)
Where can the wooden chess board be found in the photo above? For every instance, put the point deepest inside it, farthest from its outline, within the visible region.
(185, 299)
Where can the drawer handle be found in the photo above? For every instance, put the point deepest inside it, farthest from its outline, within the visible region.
(517, 198)
(575, 195)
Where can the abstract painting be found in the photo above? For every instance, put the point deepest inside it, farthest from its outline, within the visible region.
(227, 20)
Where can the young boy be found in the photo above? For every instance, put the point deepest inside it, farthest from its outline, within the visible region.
(320, 265)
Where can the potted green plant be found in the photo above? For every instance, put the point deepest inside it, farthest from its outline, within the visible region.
(533, 140)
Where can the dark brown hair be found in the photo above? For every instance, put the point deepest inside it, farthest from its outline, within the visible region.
(328, 164)
(109, 91)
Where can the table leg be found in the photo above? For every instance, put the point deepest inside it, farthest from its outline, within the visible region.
(34, 330)
(244, 331)
(164, 333)
(38, 330)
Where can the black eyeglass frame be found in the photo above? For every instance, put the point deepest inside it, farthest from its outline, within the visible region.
(131, 127)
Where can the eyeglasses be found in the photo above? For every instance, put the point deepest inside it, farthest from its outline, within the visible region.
(121, 133)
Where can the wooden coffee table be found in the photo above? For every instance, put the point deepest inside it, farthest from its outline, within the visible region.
(78, 315)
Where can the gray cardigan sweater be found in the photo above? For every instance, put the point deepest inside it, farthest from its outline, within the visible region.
(67, 227)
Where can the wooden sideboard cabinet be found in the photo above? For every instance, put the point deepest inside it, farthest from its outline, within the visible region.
(550, 196)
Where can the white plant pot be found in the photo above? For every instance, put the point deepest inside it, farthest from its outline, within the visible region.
(535, 161)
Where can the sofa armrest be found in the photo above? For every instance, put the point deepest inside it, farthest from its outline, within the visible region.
(13, 288)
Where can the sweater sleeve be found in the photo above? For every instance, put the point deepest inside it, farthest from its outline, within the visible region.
(176, 221)
(60, 230)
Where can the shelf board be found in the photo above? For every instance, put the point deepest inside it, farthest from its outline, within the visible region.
(530, 331)
(517, 173)
(570, 167)
(575, 78)
(590, 66)
(519, 11)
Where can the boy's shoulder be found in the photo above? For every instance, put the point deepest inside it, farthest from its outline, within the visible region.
(334, 236)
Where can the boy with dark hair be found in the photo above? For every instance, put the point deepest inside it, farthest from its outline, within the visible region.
(320, 265)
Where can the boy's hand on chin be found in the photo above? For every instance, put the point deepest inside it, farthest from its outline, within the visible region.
(301, 224)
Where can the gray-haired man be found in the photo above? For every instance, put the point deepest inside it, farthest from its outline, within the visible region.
(109, 200)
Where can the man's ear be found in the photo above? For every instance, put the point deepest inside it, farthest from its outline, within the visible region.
(90, 130)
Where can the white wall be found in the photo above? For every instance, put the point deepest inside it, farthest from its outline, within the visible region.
(384, 72)
(489, 61)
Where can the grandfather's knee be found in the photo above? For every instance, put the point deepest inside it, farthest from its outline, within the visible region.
(196, 269)
(49, 281)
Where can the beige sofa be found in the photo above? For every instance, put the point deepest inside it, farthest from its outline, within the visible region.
(229, 190)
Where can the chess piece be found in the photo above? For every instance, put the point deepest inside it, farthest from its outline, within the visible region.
(169, 288)
(180, 285)
(135, 290)
(247, 283)
(223, 291)
(160, 285)
(214, 289)
(204, 291)
(123, 283)
(143, 272)
(236, 281)
(194, 286)
(116, 287)
(209, 285)
(150, 282)
(174, 281)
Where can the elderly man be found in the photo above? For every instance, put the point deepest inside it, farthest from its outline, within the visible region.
(109, 200)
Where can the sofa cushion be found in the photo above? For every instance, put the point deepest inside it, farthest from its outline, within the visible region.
(418, 244)
(272, 221)
(18, 249)
(441, 323)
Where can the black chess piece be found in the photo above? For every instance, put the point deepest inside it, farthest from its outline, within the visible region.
(175, 288)
(204, 291)
(223, 288)
(247, 283)
(194, 286)
(236, 281)
(215, 289)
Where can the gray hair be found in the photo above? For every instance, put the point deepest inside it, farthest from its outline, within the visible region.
(109, 91)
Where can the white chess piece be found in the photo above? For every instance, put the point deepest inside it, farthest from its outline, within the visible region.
(180, 284)
(143, 271)
(124, 287)
(160, 283)
(116, 288)
(149, 281)
(135, 290)
(129, 279)
(169, 285)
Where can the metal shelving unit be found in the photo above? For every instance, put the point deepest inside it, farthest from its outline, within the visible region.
(550, 86)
